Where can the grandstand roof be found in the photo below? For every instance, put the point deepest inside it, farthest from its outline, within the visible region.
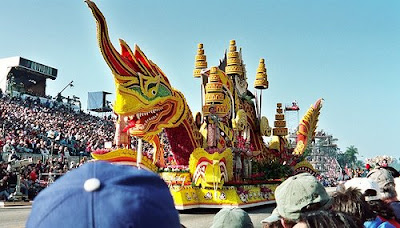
(20, 63)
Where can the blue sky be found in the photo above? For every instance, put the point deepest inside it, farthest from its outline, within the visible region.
(346, 52)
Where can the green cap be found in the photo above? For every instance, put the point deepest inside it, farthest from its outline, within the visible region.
(232, 218)
(274, 217)
(298, 192)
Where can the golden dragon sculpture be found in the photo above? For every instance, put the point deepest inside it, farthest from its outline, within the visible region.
(146, 105)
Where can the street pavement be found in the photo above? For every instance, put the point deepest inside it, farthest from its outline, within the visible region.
(15, 217)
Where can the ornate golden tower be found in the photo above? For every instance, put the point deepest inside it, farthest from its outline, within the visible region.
(234, 63)
(279, 123)
(215, 95)
(200, 62)
(261, 76)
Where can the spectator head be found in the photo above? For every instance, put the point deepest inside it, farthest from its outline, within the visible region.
(232, 218)
(385, 181)
(352, 202)
(325, 219)
(101, 193)
(298, 194)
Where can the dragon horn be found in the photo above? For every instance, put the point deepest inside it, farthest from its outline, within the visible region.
(117, 63)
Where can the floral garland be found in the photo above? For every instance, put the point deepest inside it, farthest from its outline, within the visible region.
(380, 160)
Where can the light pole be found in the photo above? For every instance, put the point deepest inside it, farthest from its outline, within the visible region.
(69, 84)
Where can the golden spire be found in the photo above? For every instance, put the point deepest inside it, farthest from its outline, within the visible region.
(214, 93)
(200, 62)
(261, 76)
(279, 123)
(234, 63)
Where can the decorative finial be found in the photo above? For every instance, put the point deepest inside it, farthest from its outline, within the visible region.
(214, 93)
(261, 76)
(200, 61)
(279, 123)
(234, 63)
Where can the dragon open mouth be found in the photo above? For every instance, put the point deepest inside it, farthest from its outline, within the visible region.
(139, 120)
(146, 121)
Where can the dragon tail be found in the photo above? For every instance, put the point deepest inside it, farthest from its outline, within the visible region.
(307, 127)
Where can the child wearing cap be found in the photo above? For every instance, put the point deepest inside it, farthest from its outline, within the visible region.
(232, 218)
(361, 199)
(298, 194)
(388, 193)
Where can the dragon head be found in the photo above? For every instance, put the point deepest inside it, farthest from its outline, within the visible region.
(145, 100)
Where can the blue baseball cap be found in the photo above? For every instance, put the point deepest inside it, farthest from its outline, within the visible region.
(101, 194)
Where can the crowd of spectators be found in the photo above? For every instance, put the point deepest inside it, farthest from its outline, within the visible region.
(51, 135)
(29, 126)
(34, 176)
(369, 202)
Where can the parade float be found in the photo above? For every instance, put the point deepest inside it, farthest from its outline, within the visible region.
(215, 158)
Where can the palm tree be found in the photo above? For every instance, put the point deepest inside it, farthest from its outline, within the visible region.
(351, 155)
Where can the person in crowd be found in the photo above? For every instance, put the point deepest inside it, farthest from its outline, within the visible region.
(4, 191)
(13, 156)
(33, 175)
(92, 195)
(44, 151)
(24, 185)
(353, 199)
(7, 147)
(298, 194)
(384, 212)
(232, 218)
(325, 219)
(387, 187)
(66, 152)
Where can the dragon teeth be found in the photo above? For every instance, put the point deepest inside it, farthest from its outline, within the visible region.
(141, 114)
